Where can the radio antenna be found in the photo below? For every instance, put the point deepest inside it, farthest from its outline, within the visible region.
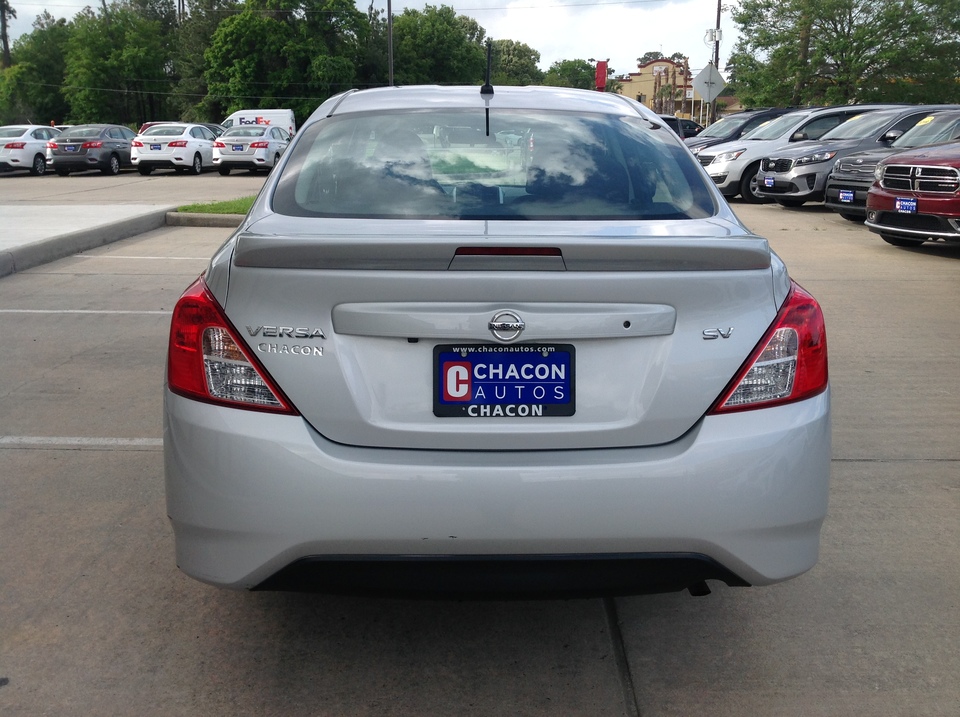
(487, 88)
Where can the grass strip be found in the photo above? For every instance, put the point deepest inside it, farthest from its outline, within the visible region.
(232, 206)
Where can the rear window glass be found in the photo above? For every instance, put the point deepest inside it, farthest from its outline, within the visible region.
(83, 132)
(165, 131)
(244, 132)
(529, 165)
(7, 132)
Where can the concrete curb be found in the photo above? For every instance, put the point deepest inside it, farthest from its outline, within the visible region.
(189, 219)
(41, 252)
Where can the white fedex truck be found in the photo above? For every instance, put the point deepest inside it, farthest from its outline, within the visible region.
(275, 118)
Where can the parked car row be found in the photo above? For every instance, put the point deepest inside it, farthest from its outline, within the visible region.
(109, 148)
(894, 167)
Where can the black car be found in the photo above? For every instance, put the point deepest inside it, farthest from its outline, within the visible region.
(90, 146)
(682, 126)
(853, 175)
(731, 127)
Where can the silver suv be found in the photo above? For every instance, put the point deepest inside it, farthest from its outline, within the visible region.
(733, 166)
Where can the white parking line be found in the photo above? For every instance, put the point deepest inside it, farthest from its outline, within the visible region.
(130, 256)
(82, 311)
(78, 442)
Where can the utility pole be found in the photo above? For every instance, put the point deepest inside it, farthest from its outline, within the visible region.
(716, 61)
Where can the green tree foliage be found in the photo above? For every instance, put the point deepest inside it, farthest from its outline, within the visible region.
(30, 88)
(515, 63)
(116, 67)
(437, 46)
(794, 52)
(285, 53)
(572, 73)
(191, 99)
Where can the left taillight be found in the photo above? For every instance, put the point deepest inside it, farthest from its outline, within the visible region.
(788, 364)
(207, 362)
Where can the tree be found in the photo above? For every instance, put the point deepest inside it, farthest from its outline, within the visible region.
(438, 46)
(33, 81)
(571, 73)
(116, 66)
(838, 51)
(515, 63)
(6, 13)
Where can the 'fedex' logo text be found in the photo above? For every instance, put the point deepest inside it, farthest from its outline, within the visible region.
(255, 120)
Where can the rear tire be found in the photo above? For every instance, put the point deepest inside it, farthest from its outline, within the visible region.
(39, 165)
(62, 172)
(791, 203)
(113, 167)
(197, 166)
(901, 241)
(748, 185)
(224, 171)
(144, 170)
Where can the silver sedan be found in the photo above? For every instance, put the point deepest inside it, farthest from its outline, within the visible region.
(253, 148)
(435, 360)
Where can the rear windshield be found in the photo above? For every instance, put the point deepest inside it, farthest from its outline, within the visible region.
(530, 165)
(170, 130)
(83, 132)
(7, 132)
(244, 132)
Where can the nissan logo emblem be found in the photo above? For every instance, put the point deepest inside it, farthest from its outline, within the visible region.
(506, 326)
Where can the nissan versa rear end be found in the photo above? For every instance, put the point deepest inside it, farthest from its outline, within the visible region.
(494, 342)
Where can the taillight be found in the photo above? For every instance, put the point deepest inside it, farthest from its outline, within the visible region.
(51, 145)
(136, 143)
(259, 145)
(219, 144)
(206, 361)
(92, 145)
(178, 143)
(790, 362)
(15, 145)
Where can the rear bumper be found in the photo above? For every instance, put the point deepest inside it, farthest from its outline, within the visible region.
(741, 495)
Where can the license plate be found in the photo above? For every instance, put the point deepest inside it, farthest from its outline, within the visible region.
(768, 181)
(154, 147)
(71, 148)
(238, 148)
(494, 381)
(906, 205)
(846, 196)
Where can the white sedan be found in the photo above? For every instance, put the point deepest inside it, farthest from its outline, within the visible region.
(253, 148)
(24, 146)
(180, 146)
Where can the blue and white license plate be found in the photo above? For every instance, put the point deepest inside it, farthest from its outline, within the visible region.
(906, 205)
(495, 381)
(154, 147)
(846, 196)
(238, 148)
(768, 181)
(70, 147)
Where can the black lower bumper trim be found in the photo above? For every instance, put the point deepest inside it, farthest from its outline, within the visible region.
(500, 577)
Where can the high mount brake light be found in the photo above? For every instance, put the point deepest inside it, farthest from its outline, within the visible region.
(788, 364)
(207, 362)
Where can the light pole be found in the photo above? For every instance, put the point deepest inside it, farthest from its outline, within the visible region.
(390, 43)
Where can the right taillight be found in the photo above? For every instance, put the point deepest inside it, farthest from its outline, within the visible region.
(788, 364)
(207, 362)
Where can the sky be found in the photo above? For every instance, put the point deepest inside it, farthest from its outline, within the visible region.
(557, 29)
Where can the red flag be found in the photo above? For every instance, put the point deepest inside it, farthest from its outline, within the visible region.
(601, 75)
